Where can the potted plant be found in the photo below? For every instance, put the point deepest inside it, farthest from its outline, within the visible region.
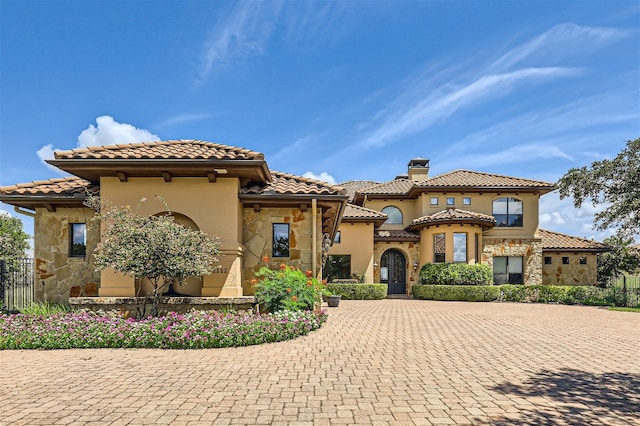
(333, 300)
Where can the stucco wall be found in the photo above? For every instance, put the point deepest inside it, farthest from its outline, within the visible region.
(426, 242)
(356, 239)
(572, 274)
(257, 238)
(57, 274)
(530, 249)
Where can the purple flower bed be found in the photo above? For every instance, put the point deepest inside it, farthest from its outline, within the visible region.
(194, 330)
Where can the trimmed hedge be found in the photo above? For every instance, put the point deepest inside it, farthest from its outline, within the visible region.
(567, 295)
(456, 274)
(468, 293)
(359, 291)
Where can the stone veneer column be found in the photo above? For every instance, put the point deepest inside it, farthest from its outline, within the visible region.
(529, 249)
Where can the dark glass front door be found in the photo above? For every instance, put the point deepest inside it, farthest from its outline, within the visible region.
(393, 271)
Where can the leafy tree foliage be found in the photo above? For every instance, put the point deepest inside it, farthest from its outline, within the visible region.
(13, 240)
(613, 183)
(622, 258)
(152, 247)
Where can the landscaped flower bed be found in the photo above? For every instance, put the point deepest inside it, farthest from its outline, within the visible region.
(194, 330)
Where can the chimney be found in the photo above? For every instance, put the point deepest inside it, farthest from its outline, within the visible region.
(418, 169)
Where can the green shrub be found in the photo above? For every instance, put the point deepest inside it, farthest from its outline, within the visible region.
(44, 308)
(359, 291)
(456, 274)
(287, 288)
(468, 293)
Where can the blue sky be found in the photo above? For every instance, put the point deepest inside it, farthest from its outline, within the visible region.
(340, 90)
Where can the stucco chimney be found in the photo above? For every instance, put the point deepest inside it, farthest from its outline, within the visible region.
(418, 169)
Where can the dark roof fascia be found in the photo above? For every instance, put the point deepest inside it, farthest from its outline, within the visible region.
(92, 169)
(415, 191)
(576, 250)
(451, 221)
(32, 201)
(376, 221)
(378, 239)
(359, 198)
(290, 198)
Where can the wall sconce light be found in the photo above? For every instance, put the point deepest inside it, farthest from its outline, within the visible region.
(375, 265)
(415, 266)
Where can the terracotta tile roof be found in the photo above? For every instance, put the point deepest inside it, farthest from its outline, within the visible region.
(285, 183)
(471, 179)
(393, 187)
(557, 241)
(174, 149)
(353, 186)
(59, 186)
(353, 212)
(395, 235)
(452, 215)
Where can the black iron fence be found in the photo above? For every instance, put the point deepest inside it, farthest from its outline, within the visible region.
(626, 288)
(16, 283)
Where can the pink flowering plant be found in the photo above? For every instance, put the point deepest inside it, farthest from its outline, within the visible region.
(193, 330)
(287, 288)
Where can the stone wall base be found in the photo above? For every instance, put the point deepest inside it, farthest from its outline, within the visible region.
(134, 307)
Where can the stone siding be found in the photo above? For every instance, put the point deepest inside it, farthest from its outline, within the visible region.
(574, 273)
(58, 276)
(257, 239)
(529, 249)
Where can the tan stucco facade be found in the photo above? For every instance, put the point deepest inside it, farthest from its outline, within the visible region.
(356, 240)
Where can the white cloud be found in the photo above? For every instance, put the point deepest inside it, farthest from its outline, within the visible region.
(323, 176)
(110, 132)
(107, 132)
(561, 216)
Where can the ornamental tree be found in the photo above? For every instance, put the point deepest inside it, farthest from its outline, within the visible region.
(13, 240)
(152, 247)
(622, 257)
(614, 184)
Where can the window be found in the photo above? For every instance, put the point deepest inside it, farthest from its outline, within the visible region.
(434, 201)
(338, 237)
(280, 246)
(451, 201)
(565, 260)
(439, 248)
(337, 267)
(394, 213)
(77, 239)
(466, 201)
(459, 247)
(583, 260)
(508, 212)
(547, 260)
(507, 270)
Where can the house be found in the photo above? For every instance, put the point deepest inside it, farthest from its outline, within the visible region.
(390, 229)
(382, 230)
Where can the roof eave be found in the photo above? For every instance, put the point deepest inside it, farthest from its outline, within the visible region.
(417, 190)
(92, 169)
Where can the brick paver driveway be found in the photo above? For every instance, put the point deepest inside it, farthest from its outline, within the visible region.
(384, 362)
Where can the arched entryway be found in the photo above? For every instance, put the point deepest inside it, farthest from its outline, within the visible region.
(393, 271)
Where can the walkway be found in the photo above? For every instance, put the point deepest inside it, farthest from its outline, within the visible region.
(380, 362)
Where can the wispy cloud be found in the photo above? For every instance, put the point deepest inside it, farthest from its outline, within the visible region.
(322, 176)
(185, 118)
(559, 43)
(446, 100)
(243, 32)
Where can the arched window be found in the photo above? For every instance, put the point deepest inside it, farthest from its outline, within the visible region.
(508, 212)
(394, 213)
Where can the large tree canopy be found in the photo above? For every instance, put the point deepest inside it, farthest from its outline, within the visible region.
(622, 258)
(13, 240)
(611, 183)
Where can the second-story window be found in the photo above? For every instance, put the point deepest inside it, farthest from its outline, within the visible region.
(394, 213)
(508, 212)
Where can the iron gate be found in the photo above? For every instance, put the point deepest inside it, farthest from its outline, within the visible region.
(16, 283)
